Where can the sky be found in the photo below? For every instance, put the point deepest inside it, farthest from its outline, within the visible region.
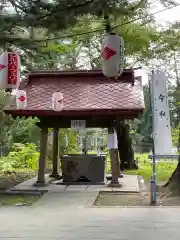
(162, 18)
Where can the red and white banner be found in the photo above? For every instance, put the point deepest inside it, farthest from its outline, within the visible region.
(9, 70)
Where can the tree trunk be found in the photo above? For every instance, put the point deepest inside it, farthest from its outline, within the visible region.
(125, 149)
(174, 181)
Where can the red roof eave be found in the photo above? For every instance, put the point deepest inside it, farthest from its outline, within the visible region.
(131, 113)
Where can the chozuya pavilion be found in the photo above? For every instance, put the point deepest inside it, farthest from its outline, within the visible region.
(84, 96)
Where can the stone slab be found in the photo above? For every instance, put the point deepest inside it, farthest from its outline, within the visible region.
(76, 188)
(94, 188)
(29, 185)
(129, 183)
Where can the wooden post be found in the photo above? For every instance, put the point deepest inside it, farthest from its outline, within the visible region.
(120, 142)
(113, 157)
(55, 171)
(118, 164)
(151, 191)
(42, 157)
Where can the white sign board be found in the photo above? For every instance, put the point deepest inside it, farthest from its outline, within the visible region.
(161, 119)
(78, 124)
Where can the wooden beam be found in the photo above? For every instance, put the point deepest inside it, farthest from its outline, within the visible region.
(65, 122)
(81, 113)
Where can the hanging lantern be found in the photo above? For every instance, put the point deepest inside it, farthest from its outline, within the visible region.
(57, 101)
(9, 70)
(112, 54)
(12, 101)
(21, 99)
(112, 140)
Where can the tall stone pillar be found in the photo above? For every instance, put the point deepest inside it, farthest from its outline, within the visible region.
(55, 170)
(112, 145)
(42, 157)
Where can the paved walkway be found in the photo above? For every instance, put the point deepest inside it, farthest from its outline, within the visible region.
(66, 199)
(68, 215)
(89, 223)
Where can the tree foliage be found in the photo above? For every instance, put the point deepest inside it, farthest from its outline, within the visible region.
(36, 30)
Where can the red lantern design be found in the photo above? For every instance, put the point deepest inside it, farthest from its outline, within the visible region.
(107, 53)
(2, 67)
(22, 98)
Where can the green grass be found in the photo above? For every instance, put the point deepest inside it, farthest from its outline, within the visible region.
(163, 169)
(10, 200)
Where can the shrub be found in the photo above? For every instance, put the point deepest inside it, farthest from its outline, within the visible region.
(22, 156)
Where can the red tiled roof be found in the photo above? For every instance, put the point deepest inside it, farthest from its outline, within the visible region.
(89, 92)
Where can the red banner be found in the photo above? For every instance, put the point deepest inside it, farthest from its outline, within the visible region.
(12, 68)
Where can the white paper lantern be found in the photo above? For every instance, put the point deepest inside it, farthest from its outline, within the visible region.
(112, 140)
(112, 54)
(57, 101)
(9, 70)
(21, 99)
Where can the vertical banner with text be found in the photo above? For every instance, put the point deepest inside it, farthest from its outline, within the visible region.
(161, 117)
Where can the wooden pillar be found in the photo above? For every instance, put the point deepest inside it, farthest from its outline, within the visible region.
(113, 157)
(120, 142)
(42, 157)
(55, 170)
(118, 163)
